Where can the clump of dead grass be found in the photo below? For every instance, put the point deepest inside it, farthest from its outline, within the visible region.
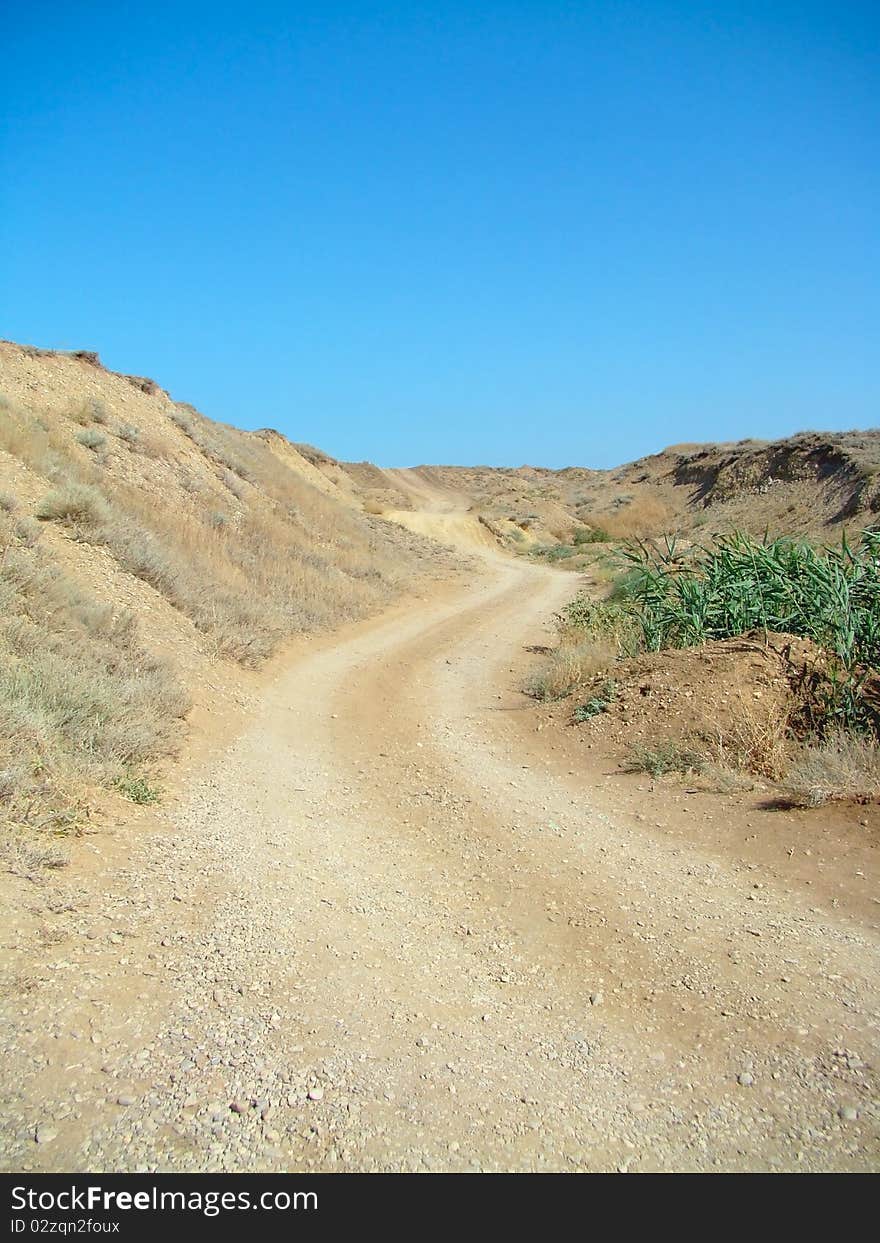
(756, 740)
(641, 518)
(569, 666)
(32, 853)
(845, 766)
(662, 757)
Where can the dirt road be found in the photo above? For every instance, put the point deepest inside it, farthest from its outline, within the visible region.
(388, 928)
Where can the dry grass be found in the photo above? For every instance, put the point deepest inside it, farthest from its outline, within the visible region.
(642, 517)
(722, 778)
(665, 756)
(844, 767)
(81, 702)
(756, 740)
(287, 559)
(237, 541)
(569, 666)
(41, 443)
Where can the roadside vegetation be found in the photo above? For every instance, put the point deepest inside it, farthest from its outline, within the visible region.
(82, 703)
(279, 557)
(672, 596)
(130, 492)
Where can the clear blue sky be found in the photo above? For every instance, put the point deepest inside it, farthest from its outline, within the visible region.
(455, 232)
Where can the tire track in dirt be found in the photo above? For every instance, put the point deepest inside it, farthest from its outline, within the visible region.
(386, 928)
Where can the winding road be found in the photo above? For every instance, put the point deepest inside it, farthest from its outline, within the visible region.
(389, 926)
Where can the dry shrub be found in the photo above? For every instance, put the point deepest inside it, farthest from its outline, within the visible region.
(90, 410)
(572, 664)
(845, 766)
(90, 439)
(644, 516)
(128, 433)
(77, 504)
(756, 740)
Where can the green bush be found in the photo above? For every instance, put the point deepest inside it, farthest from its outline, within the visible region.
(138, 789)
(590, 535)
(555, 552)
(599, 703)
(737, 584)
(603, 619)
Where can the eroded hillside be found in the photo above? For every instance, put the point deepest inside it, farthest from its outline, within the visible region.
(144, 548)
(813, 483)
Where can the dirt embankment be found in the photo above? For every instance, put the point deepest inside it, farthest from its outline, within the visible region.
(385, 919)
(438, 901)
(138, 535)
(813, 483)
(706, 692)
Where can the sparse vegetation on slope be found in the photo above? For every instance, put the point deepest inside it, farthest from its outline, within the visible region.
(109, 486)
(812, 483)
(283, 558)
(797, 704)
(81, 701)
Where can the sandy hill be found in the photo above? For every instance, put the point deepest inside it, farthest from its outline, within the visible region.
(149, 556)
(146, 553)
(812, 483)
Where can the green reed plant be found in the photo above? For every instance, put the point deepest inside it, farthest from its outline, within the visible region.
(831, 595)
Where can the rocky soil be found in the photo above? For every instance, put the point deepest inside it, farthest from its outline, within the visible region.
(391, 924)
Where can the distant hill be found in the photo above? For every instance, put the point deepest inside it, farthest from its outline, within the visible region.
(150, 556)
(812, 483)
